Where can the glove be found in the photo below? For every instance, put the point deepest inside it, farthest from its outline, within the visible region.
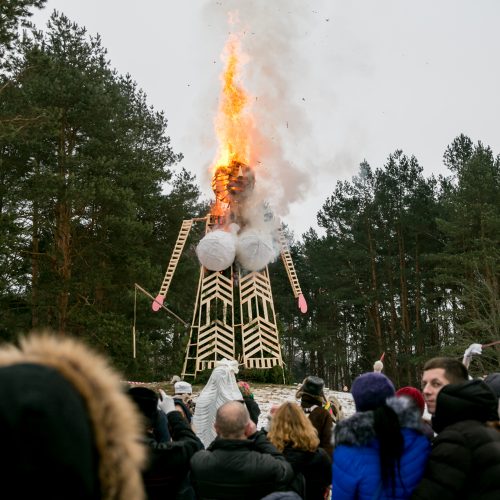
(473, 349)
(165, 403)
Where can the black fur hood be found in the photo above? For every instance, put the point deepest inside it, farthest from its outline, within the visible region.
(358, 430)
(112, 423)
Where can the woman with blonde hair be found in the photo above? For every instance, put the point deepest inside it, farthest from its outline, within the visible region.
(293, 434)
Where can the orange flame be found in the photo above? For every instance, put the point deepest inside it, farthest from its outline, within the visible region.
(233, 126)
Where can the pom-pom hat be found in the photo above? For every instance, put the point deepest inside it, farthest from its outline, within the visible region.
(370, 390)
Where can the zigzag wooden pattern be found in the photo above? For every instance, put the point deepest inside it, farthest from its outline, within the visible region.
(213, 334)
(212, 330)
(260, 336)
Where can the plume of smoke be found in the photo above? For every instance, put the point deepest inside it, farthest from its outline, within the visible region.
(262, 229)
(271, 34)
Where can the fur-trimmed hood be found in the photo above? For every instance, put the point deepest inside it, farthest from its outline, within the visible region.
(113, 422)
(358, 430)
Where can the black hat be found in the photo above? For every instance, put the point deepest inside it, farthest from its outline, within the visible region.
(312, 386)
(146, 400)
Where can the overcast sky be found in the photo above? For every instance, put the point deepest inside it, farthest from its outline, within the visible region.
(334, 82)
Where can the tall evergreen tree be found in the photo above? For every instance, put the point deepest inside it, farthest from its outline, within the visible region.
(470, 265)
(81, 197)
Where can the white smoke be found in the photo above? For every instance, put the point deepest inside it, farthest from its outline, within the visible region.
(271, 38)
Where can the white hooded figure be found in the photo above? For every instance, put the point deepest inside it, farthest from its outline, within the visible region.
(221, 388)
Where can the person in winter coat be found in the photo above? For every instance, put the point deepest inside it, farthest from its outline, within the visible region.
(156, 421)
(416, 397)
(293, 434)
(251, 404)
(379, 452)
(183, 392)
(240, 463)
(312, 398)
(67, 428)
(183, 409)
(465, 458)
(168, 461)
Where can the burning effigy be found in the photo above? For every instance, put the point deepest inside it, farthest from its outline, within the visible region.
(242, 237)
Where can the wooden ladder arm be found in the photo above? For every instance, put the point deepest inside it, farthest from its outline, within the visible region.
(172, 265)
(292, 274)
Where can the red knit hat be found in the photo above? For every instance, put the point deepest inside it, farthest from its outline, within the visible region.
(414, 394)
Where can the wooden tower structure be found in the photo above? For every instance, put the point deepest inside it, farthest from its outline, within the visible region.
(234, 314)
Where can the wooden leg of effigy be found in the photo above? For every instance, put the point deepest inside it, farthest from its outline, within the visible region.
(260, 337)
(212, 329)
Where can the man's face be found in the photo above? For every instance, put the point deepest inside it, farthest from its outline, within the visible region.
(433, 381)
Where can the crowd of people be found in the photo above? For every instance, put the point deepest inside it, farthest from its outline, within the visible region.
(70, 429)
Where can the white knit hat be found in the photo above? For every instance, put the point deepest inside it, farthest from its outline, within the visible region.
(183, 388)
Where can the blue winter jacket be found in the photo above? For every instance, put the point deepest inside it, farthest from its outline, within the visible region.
(356, 464)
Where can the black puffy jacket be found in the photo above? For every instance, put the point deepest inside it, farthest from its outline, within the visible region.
(316, 467)
(240, 468)
(168, 463)
(465, 458)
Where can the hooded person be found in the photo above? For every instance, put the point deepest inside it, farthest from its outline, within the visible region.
(67, 428)
(380, 451)
(465, 458)
(220, 388)
(312, 399)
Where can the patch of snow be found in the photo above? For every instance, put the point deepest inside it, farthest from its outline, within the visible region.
(269, 395)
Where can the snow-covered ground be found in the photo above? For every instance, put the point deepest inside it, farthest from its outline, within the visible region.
(266, 395)
(269, 395)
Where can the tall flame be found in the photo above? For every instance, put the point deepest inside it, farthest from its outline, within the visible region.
(233, 125)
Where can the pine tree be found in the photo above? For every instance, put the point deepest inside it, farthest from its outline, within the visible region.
(82, 195)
